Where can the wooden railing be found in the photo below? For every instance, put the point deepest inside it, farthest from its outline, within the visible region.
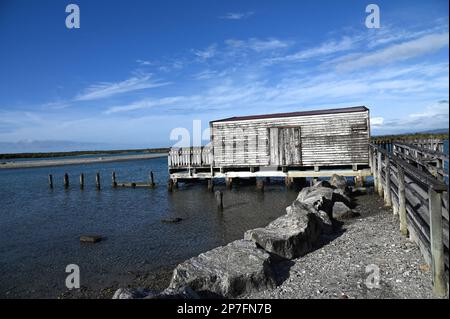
(187, 157)
(421, 202)
(424, 159)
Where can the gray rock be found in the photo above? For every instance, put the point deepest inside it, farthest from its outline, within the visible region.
(341, 211)
(327, 224)
(338, 181)
(291, 235)
(168, 293)
(172, 220)
(132, 293)
(90, 239)
(319, 197)
(228, 271)
(172, 293)
(340, 195)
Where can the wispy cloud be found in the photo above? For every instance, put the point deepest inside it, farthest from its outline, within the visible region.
(325, 49)
(237, 15)
(397, 52)
(207, 53)
(434, 116)
(144, 62)
(258, 45)
(108, 89)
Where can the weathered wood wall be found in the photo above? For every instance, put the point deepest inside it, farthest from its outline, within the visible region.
(313, 140)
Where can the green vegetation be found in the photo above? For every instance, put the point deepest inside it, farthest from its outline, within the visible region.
(441, 136)
(78, 153)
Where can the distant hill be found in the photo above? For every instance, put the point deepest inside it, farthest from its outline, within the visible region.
(435, 131)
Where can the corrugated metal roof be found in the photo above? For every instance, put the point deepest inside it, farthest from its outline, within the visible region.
(294, 114)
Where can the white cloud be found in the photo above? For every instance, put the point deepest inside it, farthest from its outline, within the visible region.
(376, 121)
(397, 52)
(237, 15)
(258, 45)
(107, 89)
(325, 49)
(144, 62)
(207, 53)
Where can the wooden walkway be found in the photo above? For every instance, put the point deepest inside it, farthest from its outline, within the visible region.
(410, 183)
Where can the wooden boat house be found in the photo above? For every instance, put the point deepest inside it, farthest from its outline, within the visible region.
(298, 144)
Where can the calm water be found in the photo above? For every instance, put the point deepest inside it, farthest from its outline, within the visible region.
(40, 228)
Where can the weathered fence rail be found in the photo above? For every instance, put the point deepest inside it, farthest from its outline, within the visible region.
(423, 158)
(421, 201)
(188, 157)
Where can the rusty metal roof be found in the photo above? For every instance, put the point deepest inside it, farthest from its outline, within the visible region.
(294, 114)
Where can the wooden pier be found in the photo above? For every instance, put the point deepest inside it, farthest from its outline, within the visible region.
(414, 189)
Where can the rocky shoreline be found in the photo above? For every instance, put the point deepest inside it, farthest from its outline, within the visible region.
(268, 261)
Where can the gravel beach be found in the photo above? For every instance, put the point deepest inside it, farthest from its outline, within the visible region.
(338, 268)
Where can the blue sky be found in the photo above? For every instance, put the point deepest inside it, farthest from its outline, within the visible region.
(136, 70)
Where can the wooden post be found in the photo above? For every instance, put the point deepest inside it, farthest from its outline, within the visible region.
(288, 182)
(97, 181)
(210, 185)
(370, 160)
(219, 199)
(66, 180)
(402, 201)
(114, 181)
(387, 178)
(358, 180)
(170, 185)
(436, 241)
(260, 185)
(81, 181)
(229, 182)
(50, 181)
(380, 183)
(152, 179)
(374, 171)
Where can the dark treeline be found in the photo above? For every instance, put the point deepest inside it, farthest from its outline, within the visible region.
(441, 136)
(77, 153)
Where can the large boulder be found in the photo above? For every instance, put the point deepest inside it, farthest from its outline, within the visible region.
(228, 271)
(178, 293)
(291, 235)
(321, 198)
(168, 293)
(338, 181)
(341, 211)
(133, 293)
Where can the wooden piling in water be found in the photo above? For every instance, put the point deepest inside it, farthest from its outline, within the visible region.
(66, 180)
(288, 182)
(170, 185)
(229, 182)
(210, 185)
(260, 185)
(97, 181)
(152, 180)
(113, 177)
(81, 181)
(50, 180)
(219, 199)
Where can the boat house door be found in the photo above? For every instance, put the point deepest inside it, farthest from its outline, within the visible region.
(285, 147)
